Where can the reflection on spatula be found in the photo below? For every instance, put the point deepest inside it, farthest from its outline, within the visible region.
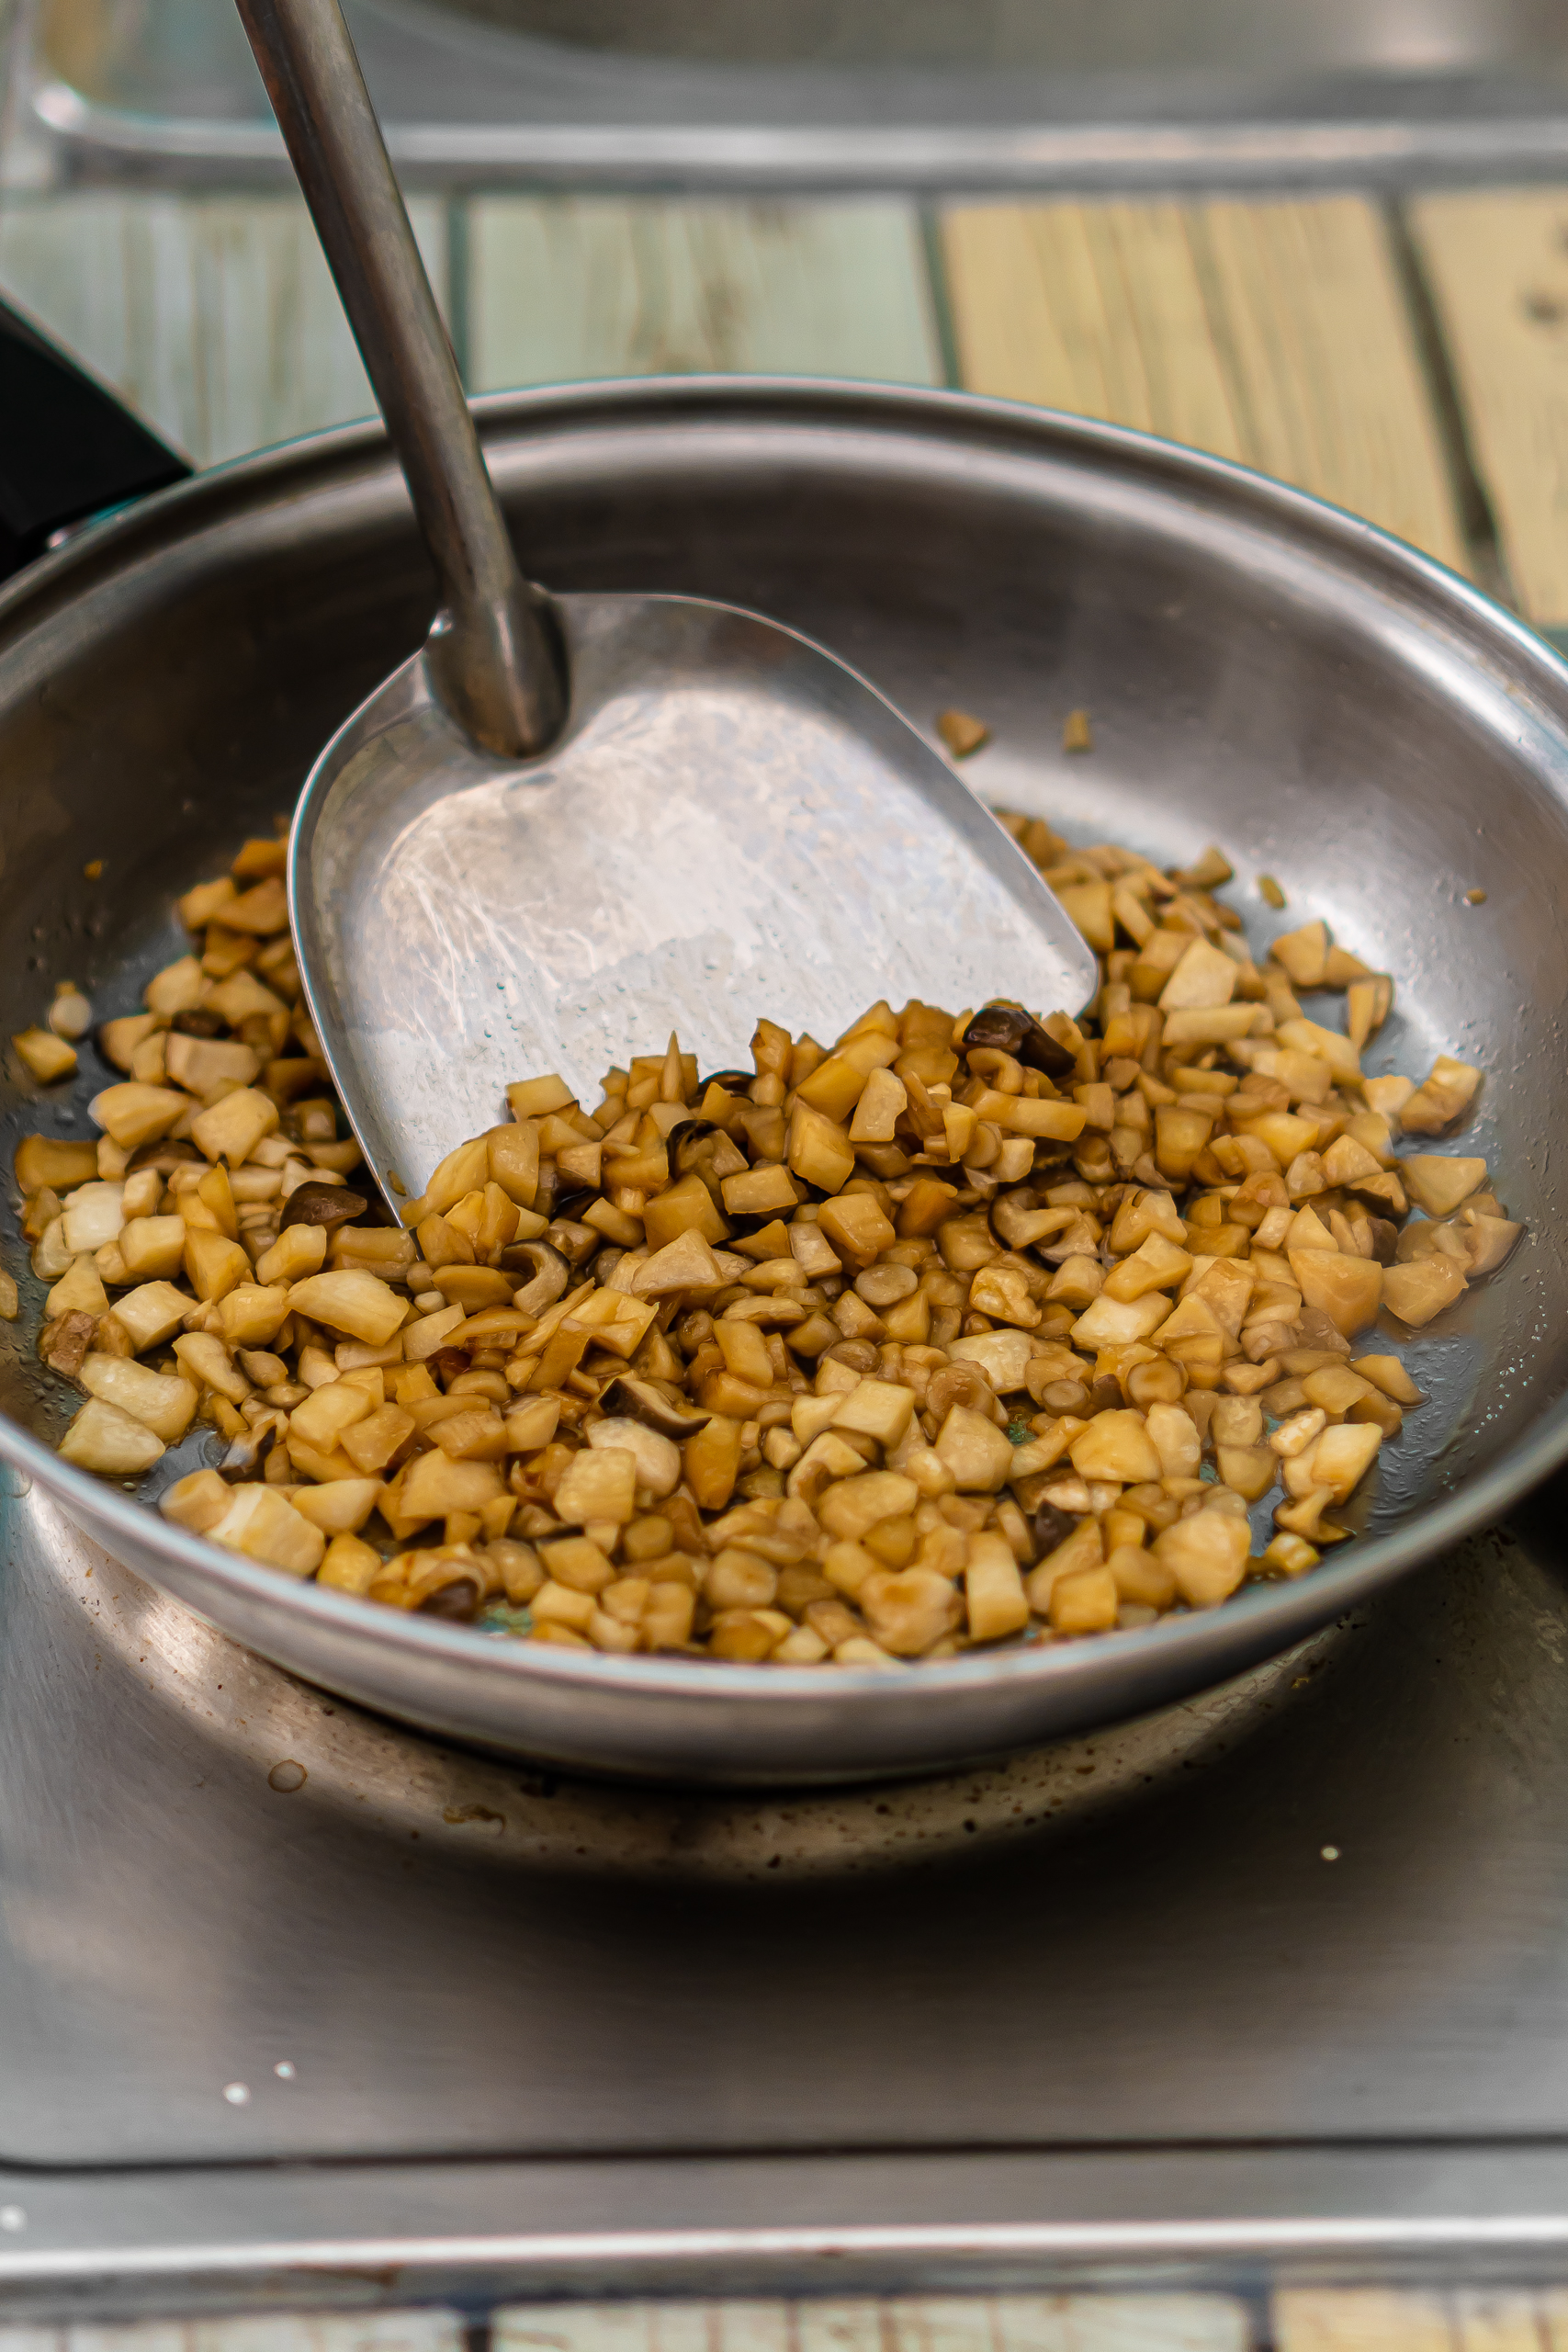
(571, 821)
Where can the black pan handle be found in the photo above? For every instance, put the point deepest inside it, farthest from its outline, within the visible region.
(68, 449)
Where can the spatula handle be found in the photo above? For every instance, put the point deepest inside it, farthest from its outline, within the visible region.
(493, 654)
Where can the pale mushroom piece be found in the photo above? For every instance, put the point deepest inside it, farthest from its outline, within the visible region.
(105, 1438)
(162, 1404)
(1444, 1096)
(70, 1014)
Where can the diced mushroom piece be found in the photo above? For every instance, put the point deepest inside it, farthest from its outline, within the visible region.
(134, 1115)
(973, 1449)
(44, 1055)
(630, 1398)
(331, 1205)
(1439, 1182)
(339, 1506)
(434, 1487)
(197, 1502)
(162, 1403)
(1009, 1029)
(1420, 1290)
(1156, 1264)
(686, 1264)
(1205, 977)
(1388, 1374)
(300, 1250)
(910, 1610)
(1086, 1603)
(995, 1600)
(599, 1483)
(63, 1342)
(819, 1151)
(262, 1525)
(1446, 1093)
(360, 1305)
(1207, 1556)
(79, 1287)
(701, 1147)
(657, 1457)
(1368, 1004)
(207, 1361)
(151, 1314)
(876, 1409)
(213, 1263)
(1003, 1356)
(961, 733)
(94, 1213)
(1305, 954)
(1347, 1290)
(1490, 1240)
(1343, 1455)
(1117, 1445)
(70, 1014)
(106, 1438)
(230, 1128)
(852, 1507)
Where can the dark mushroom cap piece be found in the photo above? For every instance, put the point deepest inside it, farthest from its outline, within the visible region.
(168, 1154)
(1012, 1031)
(564, 1208)
(457, 1601)
(550, 1275)
(1051, 1526)
(1385, 1240)
(328, 1205)
(702, 1147)
(629, 1399)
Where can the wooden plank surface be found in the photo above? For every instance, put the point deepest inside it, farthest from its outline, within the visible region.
(1363, 2319)
(1273, 333)
(1496, 261)
(1152, 2323)
(1372, 2319)
(373, 2331)
(572, 287)
(214, 317)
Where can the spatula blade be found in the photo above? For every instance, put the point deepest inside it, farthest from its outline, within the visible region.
(734, 823)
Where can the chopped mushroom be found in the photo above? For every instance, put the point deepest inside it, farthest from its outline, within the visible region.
(991, 1329)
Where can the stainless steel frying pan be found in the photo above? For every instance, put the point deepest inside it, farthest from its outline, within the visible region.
(1261, 670)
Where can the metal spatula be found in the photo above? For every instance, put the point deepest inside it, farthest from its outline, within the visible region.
(570, 825)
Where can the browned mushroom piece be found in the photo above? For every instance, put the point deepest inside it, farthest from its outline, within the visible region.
(700, 1147)
(1051, 1526)
(960, 1384)
(63, 1343)
(328, 1205)
(629, 1399)
(170, 1153)
(458, 1602)
(575, 1243)
(1011, 1030)
(549, 1272)
(246, 1454)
